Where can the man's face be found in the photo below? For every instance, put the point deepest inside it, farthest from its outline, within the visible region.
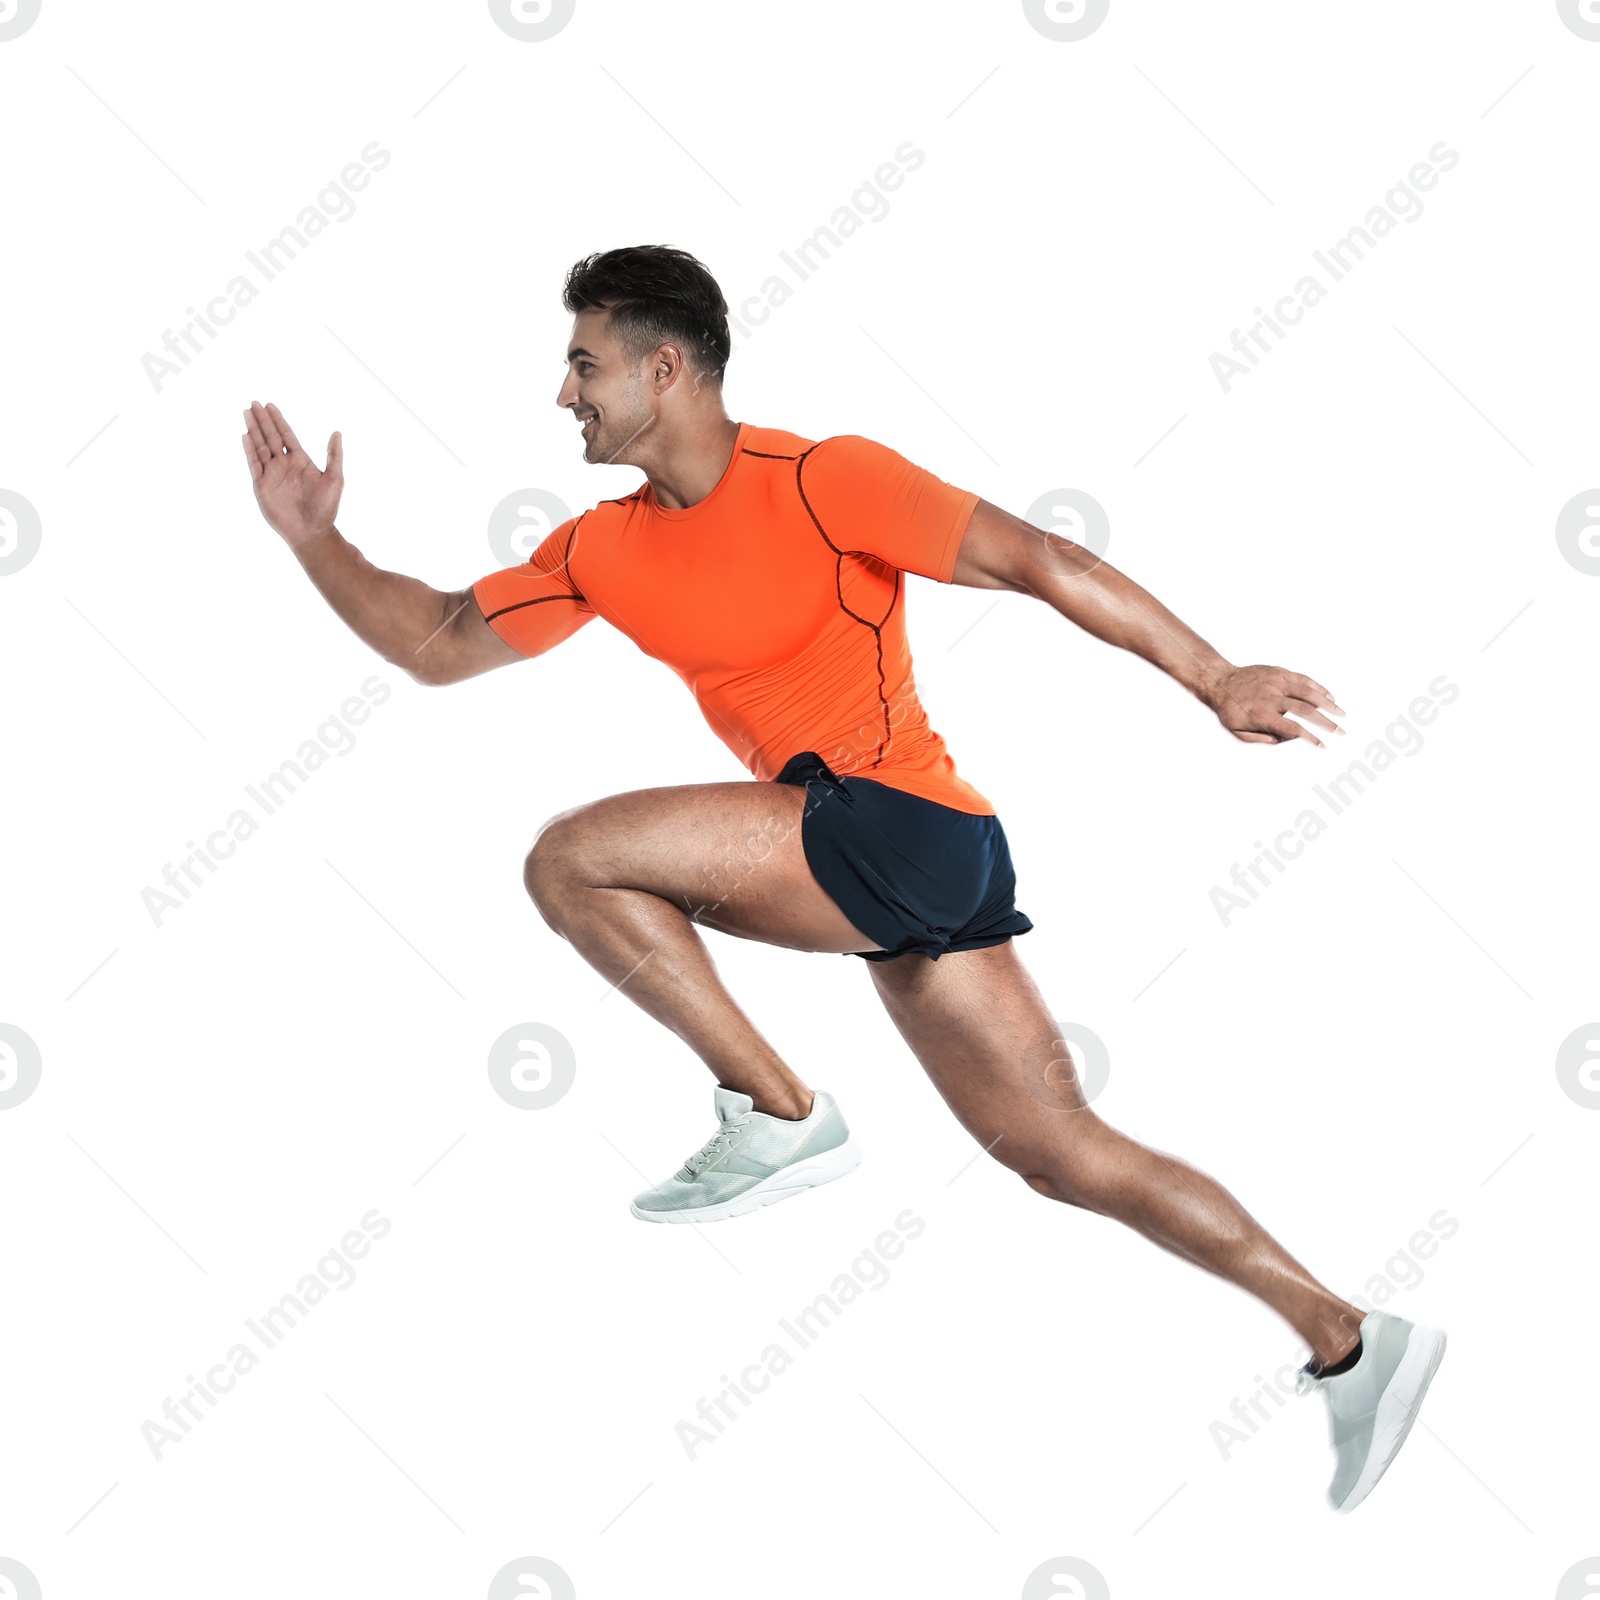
(605, 391)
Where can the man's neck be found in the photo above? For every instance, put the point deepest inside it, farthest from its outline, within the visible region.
(695, 466)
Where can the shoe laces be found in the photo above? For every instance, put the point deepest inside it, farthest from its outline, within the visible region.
(716, 1145)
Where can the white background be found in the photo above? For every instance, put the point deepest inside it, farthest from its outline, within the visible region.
(223, 1096)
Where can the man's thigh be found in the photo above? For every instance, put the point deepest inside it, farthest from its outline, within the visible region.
(977, 1022)
(729, 855)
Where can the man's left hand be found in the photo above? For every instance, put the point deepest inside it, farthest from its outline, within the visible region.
(1259, 704)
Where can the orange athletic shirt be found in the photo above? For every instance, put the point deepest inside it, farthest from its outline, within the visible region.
(779, 599)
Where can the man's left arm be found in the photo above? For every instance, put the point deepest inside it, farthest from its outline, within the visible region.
(1257, 704)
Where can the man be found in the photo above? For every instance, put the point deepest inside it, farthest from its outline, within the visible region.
(768, 572)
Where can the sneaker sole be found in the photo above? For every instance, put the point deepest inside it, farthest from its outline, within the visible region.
(1397, 1409)
(811, 1173)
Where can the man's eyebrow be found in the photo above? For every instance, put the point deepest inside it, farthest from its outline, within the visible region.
(578, 350)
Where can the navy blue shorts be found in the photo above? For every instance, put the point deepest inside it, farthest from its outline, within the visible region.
(910, 873)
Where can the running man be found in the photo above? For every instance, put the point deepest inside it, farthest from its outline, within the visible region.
(768, 571)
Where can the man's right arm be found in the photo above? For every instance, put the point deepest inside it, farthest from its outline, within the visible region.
(434, 635)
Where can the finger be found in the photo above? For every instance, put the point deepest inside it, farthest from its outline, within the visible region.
(1290, 729)
(335, 466)
(283, 427)
(1304, 708)
(251, 455)
(269, 429)
(1323, 697)
(1275, 728)
(257, 437)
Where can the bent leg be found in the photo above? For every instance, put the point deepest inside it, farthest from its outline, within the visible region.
(979, 1026)
(627, 879)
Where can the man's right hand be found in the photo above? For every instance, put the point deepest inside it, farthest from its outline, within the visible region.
(435, 636)
(298, 500)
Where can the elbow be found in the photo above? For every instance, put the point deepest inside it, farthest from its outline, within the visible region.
(435, 679)
(1025, 567)
(440, 658)
(429, 668)
(1027, 576)
(1048, 572)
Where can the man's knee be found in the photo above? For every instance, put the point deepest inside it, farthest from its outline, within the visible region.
(1041, 1184)
(550, 870)
(1048, 1164)
(1069, 1188)
(1076, 1167)
(1074, 1187)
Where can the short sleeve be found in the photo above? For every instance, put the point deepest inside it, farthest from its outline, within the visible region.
(866, 497)
(535, 606)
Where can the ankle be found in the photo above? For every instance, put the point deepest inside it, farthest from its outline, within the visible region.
(788, 1105)
(1336, 1337)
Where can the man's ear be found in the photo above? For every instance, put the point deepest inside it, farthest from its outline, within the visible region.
(669, 366)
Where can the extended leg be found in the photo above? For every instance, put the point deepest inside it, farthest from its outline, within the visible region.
(981, 1030)
(627, 879)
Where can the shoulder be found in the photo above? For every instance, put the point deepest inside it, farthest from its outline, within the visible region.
(615, 511)
(578, 547)
(774, 444)
(847, 449)
(841, 453)
(852, 464)
(609, 516)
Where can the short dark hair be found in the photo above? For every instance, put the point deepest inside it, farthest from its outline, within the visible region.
(656, 295)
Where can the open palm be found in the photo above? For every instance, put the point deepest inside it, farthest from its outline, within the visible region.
(297, 498)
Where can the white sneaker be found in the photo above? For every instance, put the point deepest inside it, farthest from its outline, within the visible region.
(1372, 1406)
(753, 1160)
